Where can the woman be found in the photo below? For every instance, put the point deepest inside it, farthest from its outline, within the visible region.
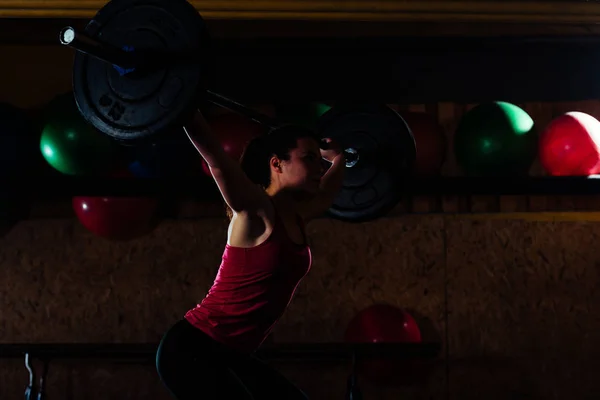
(278, 185)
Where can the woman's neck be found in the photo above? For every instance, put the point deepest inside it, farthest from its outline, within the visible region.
(283, 198)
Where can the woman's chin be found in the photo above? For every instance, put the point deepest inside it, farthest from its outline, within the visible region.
(305, 192)
(313, 187)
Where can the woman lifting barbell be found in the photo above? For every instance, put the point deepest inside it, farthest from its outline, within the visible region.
(278, 186)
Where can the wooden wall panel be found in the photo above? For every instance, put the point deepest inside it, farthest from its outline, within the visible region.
(94, 284)
(521, 296)
(380, 10)
(522, 301)
(61, 284)
(32, 75)
(36, 31)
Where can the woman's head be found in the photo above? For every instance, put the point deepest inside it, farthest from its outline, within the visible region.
(288, 158)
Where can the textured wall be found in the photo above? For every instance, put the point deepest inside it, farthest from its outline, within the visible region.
(522, 301)
(64, 285)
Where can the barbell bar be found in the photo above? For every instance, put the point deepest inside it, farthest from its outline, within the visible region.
(140, 70)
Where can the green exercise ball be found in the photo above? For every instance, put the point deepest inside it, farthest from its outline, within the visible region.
(71, 145)
(303, 114)
(495, 139)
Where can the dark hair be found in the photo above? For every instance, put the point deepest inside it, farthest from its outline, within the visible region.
(278, 142)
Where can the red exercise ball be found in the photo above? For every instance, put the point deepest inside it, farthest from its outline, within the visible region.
(430, 140)
(382, 323)
(234, 132)
(570, 145)
(117, 218)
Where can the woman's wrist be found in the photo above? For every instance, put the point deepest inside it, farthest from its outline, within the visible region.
(339, 158)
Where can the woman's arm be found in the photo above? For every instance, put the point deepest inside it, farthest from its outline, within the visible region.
(331, 182)
(240, 194)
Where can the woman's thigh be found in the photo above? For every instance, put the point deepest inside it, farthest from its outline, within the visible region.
(191, 367)
(263, 381)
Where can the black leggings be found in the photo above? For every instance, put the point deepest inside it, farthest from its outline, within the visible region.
(194, 366)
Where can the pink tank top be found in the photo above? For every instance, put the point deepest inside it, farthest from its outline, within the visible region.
(252, 289)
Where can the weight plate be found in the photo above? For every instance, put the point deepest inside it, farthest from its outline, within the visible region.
(138, 106)
(380, 152)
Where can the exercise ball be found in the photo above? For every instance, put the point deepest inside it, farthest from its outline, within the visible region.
(495, 139)
(234, 131)
(430, 141)
(305, 114)
(570, 145)
(382, 323)
(117, 218)
(71, 145)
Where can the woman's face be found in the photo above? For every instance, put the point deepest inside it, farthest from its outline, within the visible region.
(304, 169)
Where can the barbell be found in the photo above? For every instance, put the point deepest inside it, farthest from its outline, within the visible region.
(141, 68)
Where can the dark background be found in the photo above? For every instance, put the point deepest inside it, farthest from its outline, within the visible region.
(513, 299)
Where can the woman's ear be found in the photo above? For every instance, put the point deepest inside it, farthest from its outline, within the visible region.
(275, 164)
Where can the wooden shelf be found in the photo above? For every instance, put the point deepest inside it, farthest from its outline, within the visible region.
(533, 199)
(44, 31)
(402, 70)
(147, 351)
(529, 208)
(205, 190)
(555, 12)
(411, 70)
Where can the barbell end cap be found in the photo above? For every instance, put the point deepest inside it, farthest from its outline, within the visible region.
(67, 35)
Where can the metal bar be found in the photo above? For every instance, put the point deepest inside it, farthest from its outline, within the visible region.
(236, 107)
(29, 390)
(145, 351)
(129, 61)
(46, 188)
(102, 51)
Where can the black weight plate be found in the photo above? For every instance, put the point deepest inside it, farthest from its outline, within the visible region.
(140, 106)
(380, 151)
